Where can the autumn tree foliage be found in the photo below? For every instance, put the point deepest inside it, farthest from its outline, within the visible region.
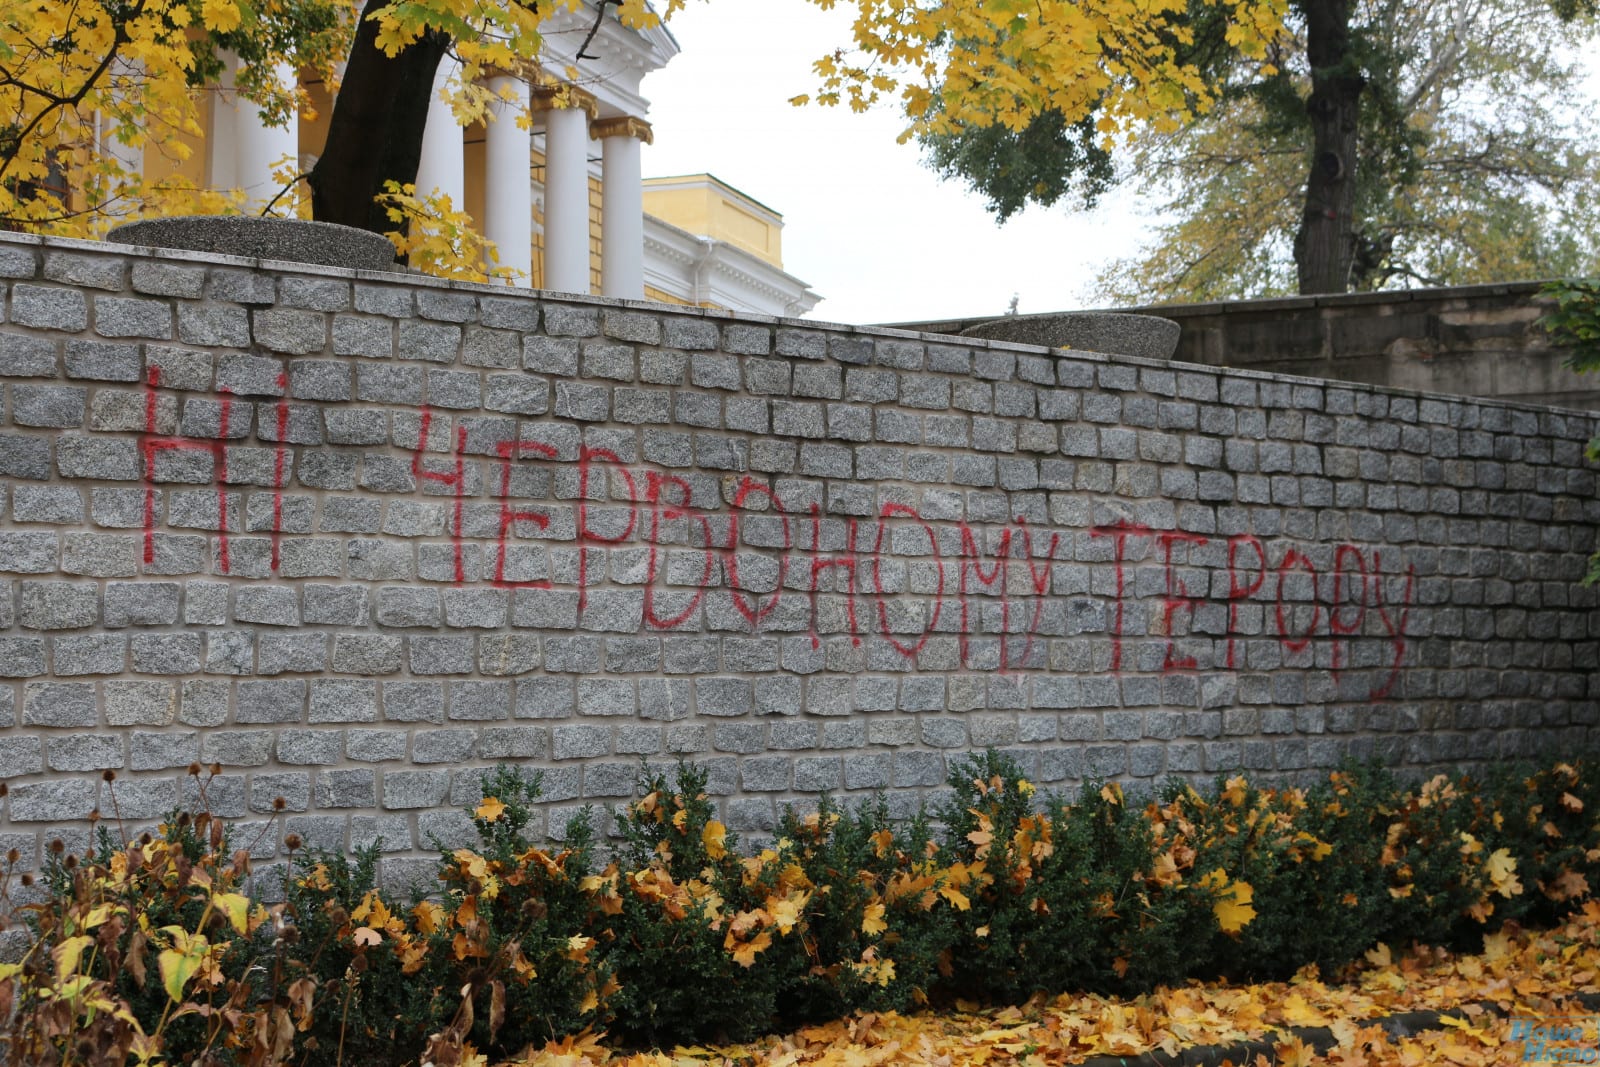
(85, 82)
(1378, 143)
(82, 79)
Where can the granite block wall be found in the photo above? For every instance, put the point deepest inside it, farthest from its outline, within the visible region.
(1475, 340)
(355, 537)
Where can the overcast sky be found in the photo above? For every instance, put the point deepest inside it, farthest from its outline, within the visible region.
(866, 225)
(877, 234)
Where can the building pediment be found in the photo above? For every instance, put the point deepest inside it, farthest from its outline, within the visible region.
(615, 60)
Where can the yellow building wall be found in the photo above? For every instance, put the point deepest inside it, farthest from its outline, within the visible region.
(594, 235)
(314, 129)
(162, 154)
(702, 204)
(652, 293)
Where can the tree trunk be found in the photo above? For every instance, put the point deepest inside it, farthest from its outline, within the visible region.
(375, 131)
(1325, 246)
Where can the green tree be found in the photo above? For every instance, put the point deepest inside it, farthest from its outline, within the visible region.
(1415, 144)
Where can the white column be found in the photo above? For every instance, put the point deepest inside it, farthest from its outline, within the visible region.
(258, 150)
(264, 150)
(566, 199)
(622, 206)
(130, 157)
(443, 165)
(222, 146)
(508, 180)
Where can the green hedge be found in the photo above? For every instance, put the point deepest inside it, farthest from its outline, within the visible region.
(150, 949)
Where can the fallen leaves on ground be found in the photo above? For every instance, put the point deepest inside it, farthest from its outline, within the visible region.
(1529, 973)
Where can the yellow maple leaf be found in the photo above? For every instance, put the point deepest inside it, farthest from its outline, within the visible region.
(1320, 850)
(745, 952)
(714, 837)
(786, 912)
(219, 16)
(983, 836)
(1496, 946)
(1297, 1012)
(316, 879)
(1295, 1053)
(1568, 885)
(470, 863)
(956, 897)
(430, 916)
(1165, 871)
(1234, 790)
(1232, 906)
(369, 903)
(872, 920)
(1502, 871)
(491, 809)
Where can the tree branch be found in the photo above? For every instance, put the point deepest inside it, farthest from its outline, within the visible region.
(119, 38)
(296, 180)
(599, 17)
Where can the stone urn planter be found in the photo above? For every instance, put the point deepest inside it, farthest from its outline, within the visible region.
(294, 240)
(1089, 331)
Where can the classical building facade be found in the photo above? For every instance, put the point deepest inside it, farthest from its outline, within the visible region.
(564, 199)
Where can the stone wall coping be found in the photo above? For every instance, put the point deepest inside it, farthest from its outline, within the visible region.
(1338, 300)
(1278, 304)
(884, 332)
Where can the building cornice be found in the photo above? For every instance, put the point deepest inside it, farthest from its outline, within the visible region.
(625, 56)
(701, 270)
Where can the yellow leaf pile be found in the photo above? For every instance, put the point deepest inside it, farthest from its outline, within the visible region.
(1525, 974)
